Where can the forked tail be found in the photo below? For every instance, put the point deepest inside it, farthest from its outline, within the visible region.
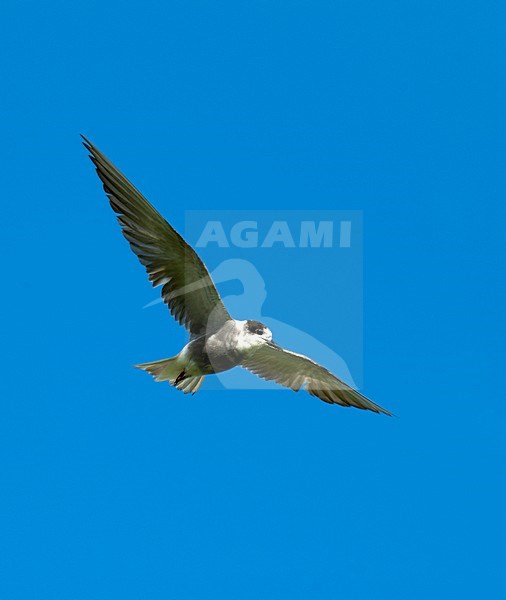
(171, 369)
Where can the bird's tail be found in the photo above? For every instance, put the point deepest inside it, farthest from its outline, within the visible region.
(171, 369)
(166, 369)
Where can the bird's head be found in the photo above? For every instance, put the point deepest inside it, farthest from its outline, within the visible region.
(259, 330)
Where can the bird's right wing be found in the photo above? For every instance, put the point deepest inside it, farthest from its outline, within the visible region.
(188, 289)
(294, 371)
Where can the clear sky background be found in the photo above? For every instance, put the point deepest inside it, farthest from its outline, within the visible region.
(113, 486)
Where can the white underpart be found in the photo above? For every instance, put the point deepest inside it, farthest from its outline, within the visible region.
(187, 364)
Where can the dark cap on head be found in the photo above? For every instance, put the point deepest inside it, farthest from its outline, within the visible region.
(254, 326)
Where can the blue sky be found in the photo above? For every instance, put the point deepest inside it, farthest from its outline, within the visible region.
(116, 487)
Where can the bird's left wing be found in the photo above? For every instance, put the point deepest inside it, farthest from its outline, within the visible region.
(294, 371)
(188, 289)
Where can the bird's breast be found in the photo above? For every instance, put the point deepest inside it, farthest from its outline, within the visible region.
(223, 348)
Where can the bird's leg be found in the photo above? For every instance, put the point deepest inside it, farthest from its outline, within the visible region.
(180, 377)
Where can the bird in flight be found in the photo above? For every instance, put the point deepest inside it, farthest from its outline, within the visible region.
(217, 341)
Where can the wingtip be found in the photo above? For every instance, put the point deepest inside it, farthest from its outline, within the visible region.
(376, 408)
(383, 411)
(87, 144)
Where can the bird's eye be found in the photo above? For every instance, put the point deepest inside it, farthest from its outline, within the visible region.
(259, 331)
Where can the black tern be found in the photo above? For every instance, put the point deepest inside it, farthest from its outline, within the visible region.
(217, 341)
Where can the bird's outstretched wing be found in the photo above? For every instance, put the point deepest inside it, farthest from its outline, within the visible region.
(294, 371)
(188, 289)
